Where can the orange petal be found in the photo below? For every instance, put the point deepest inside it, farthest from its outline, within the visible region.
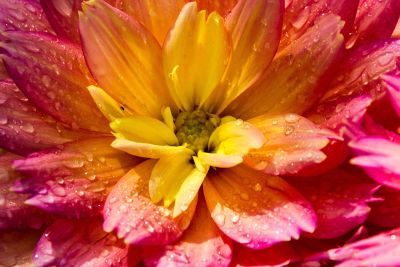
(291, 82)
(255, 209)
(255, 27)
(157, 16)
(222, 7)
(292, 143)
(124, 58)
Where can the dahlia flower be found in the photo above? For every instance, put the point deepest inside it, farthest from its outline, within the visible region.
(198, 133)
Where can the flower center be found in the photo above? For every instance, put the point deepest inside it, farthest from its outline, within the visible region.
(194, 128)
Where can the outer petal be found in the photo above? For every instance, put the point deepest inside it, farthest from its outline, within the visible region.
(14, 213)
(17, 247)
(157, 15)
(301, 15)
(255, 27)
(292, 143)
(202, 244)
(63, 17)
(255, 209)
(340, 200)
(360, 70)
(136, 219)
(291, 82)
(192, 80)
(386, 213)
(25, 15)
(379, 250)
(73, 179)
(380, 158)
(24, 129)
(79, 243)
(124, 58)
(52, 73)
(376, 19)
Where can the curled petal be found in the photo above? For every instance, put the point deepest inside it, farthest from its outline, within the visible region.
(255, 209)
(380, 158)
(73, 179)
(292, 82)
(202, 244)
(292, 143)
(203, 37)
(52, 74)
(137, 220)
(79, 243)
(124, 58)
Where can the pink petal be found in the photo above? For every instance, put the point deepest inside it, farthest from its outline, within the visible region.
(294, 79)
(79, 243)
(376, 19)
(14, 213)
(379, 250)
(53, 75)
(17, 248)
(73, 179)
(25, 15)
(278, 255)
(63, 17)
(302, 14)
(380, 158)
(137, 220)
(360, 70)
(340, 200)
(393, 87)
(292, 143)
(386, 213)
(255, 209)
(202, 244)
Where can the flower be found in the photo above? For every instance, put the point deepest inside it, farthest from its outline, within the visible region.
(189, 133)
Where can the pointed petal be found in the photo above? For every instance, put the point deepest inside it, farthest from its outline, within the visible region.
(75, 178)
(124, 58)
(297, 71)
(202, 245)
(191, 81)
(300, 15)
(158, 16)
(144, 130)
(292, 143)
(255, 27)
(255, 209)
(340, 200)
(222, 7)
(63, 17)
(137, 220)
(380, 158)
(14, 213)
(24, 129)
(360, 71)
(386, 213)
(52, 74)
(79, 243)
(151, 151)
(376, 19)
(24, 15)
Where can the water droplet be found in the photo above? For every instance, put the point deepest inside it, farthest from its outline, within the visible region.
(46, 80)
(28, 128)
(58, 191)
(235, 218)
(257, 187)
(289, 130)
(292, 118)
(3, 119)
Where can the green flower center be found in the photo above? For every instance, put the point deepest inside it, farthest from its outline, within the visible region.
(194, 128)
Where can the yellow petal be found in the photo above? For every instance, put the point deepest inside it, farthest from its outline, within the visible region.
(219, 160)
(168, 118)
(144, 130)
(145, 150)
(195, 54)
(167, 176)
(124, 58)
(107, 105)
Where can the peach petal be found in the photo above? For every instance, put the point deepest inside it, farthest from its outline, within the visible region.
(293, 81)
(255, 209)
(79, 243)
(202, 244)
(73, 179)
(53, 75)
